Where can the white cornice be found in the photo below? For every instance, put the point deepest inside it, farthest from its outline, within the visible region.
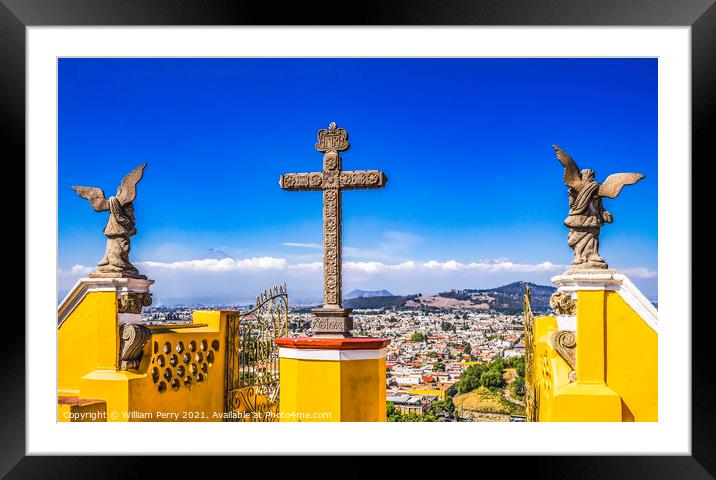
(610, 280)
(86, 285)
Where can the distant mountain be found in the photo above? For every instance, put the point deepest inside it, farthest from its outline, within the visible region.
(507, 299)
(214, 254)
(390, 302)
(367, 293)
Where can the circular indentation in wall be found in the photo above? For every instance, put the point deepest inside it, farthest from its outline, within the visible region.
(180, 371)
(167, 347)
(160, 360)
(204, 345)
(193, 369)
(204, 367)
(192, 346)
(200, 378)
(199, 357)
(176, 384)
(168, 373)
(156, 347)
(186, 358)
(187, 382)
(162, 387)
(215, 345)
(210, 358)
(173, 360)
(180, 347)
(155, 374)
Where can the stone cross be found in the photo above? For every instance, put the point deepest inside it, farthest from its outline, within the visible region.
(332, 319)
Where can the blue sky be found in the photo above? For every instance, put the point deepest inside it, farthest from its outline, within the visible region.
(465, 143)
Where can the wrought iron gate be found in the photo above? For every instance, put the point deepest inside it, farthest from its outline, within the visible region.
(252, 373)
(531, 390)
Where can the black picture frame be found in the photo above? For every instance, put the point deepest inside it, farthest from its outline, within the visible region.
(700, 15)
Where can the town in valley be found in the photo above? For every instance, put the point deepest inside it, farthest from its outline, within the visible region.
(454, 356)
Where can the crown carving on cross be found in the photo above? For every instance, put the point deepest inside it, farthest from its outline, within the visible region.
(332, 139)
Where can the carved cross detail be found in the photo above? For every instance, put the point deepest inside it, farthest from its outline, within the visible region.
(332, 180)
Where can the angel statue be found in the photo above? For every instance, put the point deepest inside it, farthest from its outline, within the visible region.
(586, 213)
(121, 224)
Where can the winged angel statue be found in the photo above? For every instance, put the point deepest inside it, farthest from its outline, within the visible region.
(121, 224)
(586, 213)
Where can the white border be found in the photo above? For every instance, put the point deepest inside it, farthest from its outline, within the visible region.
(670, 435)
(330, 355)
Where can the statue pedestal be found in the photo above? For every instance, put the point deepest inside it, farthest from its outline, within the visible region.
(332, 322)
(332, 379)
(117, 275)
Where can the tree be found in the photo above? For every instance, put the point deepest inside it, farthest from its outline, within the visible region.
(492, 378)
(520, 366)
(445, 407)
(518, 387)
(468, 348)
(418, 337)
(470, 378)
(392, 413)
(439, 366)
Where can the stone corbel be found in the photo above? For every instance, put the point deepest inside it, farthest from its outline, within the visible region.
(133, 338)
(563, 303)
(133, 302)
(565, 343)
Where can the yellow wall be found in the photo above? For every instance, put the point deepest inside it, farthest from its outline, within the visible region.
(632, 361)
(87, 341)
(616, 368)
(87, 360)
(333, 390)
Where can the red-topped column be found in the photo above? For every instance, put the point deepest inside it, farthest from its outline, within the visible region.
(327, 379)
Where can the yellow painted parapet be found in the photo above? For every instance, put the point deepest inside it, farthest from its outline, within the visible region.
(112, 368)
(332, 379)
(597, 359)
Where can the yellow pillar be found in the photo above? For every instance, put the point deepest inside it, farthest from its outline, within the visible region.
(332, 379)
(590, 337)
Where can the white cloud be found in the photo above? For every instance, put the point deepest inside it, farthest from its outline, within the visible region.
(493, 266)
(274, 263)
(231, 279)
(378, 267)
(312, 266)
(302, 245)
(278, 264)
(81, 270)
(222, 265)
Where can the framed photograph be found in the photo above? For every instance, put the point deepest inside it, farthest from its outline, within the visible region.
(461, 223)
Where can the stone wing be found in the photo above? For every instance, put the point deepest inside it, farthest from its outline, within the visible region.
(95, 197)
(127, 190)
(572, 176)
(614, 183)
